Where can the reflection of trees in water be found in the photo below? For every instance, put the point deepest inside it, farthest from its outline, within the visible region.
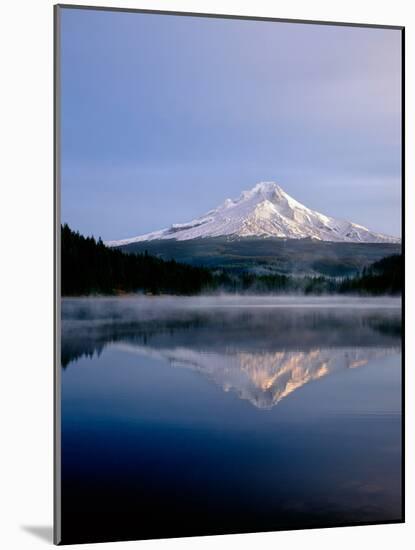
(220, 330)
(88, 339)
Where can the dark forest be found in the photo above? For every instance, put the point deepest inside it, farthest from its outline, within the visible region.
(91, 268)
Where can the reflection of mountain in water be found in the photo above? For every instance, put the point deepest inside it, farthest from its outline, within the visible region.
(262, 353)
(264, 378)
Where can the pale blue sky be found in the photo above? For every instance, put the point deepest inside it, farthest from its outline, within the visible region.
(164, 117)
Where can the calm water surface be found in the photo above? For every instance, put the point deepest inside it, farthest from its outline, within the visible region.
(189, 416)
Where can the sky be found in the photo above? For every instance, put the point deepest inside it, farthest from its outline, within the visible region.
(164, 117)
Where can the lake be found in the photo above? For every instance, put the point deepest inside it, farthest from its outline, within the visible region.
(210, 415)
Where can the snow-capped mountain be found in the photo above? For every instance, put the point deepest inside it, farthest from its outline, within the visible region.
(265, 211)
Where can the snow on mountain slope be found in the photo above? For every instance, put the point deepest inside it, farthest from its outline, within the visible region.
(265, 211)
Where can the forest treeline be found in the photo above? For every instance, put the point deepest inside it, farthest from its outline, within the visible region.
(89, 267)
(379, 278)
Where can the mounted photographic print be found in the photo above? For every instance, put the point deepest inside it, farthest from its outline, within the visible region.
(229, 274)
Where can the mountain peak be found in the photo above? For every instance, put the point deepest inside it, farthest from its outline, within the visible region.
(265, 210)
(266, 189)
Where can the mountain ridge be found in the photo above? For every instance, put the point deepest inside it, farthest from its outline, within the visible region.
(264, 211)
